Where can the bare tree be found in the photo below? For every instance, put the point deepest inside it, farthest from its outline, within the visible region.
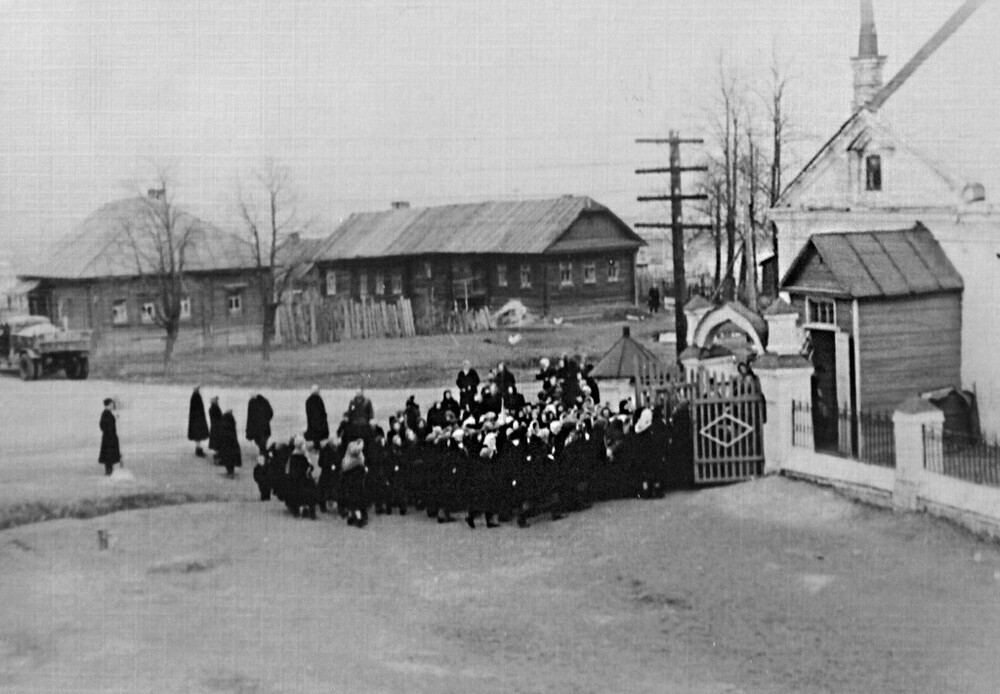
(160, 238)
(270, 223)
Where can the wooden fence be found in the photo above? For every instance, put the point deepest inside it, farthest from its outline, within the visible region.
(309, 320)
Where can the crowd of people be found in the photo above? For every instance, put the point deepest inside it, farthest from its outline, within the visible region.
(497, 453)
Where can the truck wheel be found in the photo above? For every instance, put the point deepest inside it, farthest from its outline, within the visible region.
(27, 368)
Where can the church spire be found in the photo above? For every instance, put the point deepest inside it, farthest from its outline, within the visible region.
(867, 64)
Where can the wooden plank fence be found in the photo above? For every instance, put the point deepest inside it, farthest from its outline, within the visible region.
(309, 320)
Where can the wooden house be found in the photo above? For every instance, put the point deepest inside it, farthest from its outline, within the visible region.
(882, 311)
(553, 255)
(99, 278)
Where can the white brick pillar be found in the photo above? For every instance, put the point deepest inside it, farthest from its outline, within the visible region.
(783, 379)
(908, 423)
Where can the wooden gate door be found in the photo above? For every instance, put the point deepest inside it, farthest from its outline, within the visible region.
(727, 430)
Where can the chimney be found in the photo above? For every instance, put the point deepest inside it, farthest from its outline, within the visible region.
(867, 64)
(400, 205)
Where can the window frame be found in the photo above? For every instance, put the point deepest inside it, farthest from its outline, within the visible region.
(525, 275)
(502, 274)
(566, 273)
(120, 318)
(147, 312)
(380, 283)
(331, 282)
(185, 308)
(363, 284)
(234, 308)
(819, 308)
(873, 173)
(590, 272)
(396, 282)
(614, 269)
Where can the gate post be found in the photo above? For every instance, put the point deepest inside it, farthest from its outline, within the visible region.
(908, 422)
(784, 379)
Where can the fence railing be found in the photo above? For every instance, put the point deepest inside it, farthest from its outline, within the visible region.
(867, 437)
(964, 457)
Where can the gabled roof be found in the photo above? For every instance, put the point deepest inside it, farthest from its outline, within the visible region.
(620, 360)
(521, 226)
(102, 245)
(871, 264)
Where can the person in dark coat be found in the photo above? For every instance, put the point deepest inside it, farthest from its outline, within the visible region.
(230, 455)
(412, 413)
(258, 428)
(468, 384)
(329, 474)
(301, 495)
(111, 453)
(197, 424)
(317, 426)
(505, 380)
(595, 389)
(214, 422)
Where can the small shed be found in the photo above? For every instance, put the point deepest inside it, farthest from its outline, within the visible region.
(616, 369)
(882, 311)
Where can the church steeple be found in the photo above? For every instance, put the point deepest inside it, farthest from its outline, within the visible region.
(867, 64)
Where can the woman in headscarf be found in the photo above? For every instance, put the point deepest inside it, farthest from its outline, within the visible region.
(197, 424)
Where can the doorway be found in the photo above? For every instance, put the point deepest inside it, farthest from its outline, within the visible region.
(825, 415)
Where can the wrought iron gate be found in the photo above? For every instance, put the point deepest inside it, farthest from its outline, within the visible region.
(727, 417)
(727, 420)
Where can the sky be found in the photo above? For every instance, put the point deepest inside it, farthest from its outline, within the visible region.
(435, 101)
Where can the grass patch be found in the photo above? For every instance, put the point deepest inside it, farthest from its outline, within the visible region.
(425, 360)
(38, 511)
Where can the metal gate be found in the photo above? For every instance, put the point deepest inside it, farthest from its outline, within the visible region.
(727, 418)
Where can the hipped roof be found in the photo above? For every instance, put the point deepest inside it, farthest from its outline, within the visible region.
(877, 264)
(515, 226)
(620, 361)
(105, 244)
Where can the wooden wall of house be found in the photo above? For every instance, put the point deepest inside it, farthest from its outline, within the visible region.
(908, 346)
(88, 304)
(601, 291)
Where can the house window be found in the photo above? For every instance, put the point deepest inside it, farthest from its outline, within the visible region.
(185, 308)
(331, 283)
(873, 172)
(525, 276)
(428, 270)
(612, 270)
(565, 274)
(234, 302)
(396, 279)
(380, 282)
(821, 311)
(147, 313)
(589, 273)
(65, 308)
(501, 274)
(119, 312)
(363, 283)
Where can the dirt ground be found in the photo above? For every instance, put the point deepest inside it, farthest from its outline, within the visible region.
(769, 586)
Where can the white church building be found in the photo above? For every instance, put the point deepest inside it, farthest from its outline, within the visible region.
(868, 178)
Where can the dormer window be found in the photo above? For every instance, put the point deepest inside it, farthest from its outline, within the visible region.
(873, 172)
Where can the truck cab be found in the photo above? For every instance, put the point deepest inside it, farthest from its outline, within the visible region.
(34, 347)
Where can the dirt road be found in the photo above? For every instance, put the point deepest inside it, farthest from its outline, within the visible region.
(770, 586)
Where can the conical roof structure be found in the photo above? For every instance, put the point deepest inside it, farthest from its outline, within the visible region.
(621, 359)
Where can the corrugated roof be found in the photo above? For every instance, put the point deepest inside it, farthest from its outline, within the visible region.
(517, 226)
(102, 246)
(620, 360)
(880, 263)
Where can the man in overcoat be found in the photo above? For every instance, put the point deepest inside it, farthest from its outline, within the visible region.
(111, 453)
(317, 425)
(258, 428)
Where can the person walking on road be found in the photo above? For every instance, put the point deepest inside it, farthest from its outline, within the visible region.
(317, 425)
(197, 424)
(111, 453)
(258, 426)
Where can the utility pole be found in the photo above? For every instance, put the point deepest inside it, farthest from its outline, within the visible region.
(676, 224)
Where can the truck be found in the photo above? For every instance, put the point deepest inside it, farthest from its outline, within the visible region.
(34, 347)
